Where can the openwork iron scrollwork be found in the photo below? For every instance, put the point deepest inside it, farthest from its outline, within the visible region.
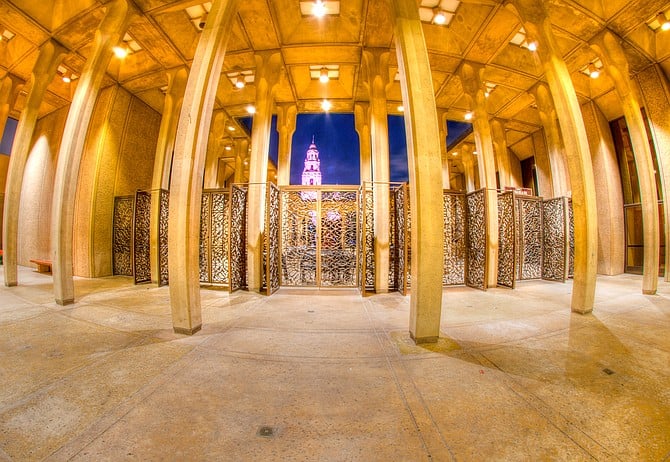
(369, 242)
(122, 235)
(402, 233)
(506, 240)
(555, 240)
(299, 235)
(205, 236)
(530, 237)
(271, 235)
(238, 237)
(163, 237)
(476, 242)
(219, 234)
(142, 237)
(338, 241)
(571, 238)
(454, 245)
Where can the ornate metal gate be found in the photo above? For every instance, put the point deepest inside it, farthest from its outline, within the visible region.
(163, 278)
(530, 237)
(402, 239)
(506, 240)
(238, 237)
(556, 240)
(367, 239)
(454, 238)
(319, 241)
(476, 239)
(142, 237)
(271, 257)
(122, 236)
(214, 236)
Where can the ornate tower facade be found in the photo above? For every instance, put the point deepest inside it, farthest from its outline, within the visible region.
(311, 173)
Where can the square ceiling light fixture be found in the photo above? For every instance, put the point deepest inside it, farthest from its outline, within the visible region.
(6, 34)
(197, 14)
(439, 12)
(66, 74)
(128, 46)
(660, 22)
(240, 79)
(320, 8)
(324, 73)
(593, 69)
(521, 40)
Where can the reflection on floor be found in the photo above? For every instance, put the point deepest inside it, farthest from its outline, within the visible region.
(308, 375)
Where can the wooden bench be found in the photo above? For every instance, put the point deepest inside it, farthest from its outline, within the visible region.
(43, 266)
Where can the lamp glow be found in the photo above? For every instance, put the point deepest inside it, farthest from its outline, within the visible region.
(594, 73)
(319, 9)
(532, 46)
(440, 18)
(323, 75)
(120, 51)
(251, 109)
(239, 82)
(66, 79)
(663, 21)
(468, 116)
(326, 105)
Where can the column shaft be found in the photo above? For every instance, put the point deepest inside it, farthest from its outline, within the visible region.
(501, 153)
(50, 56)
(425, 173)
(446, 174)
(362, 121)
(286, 120)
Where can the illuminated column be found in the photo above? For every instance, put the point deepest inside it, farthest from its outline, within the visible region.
(468, 159)
(616, 65)
(560, 179)
(286, 119)
(189, 164)
(474, 88)
(655, 92)
(442, 125)
(362, 121)
(8, 91)
(50, 56)
(425, 173)
(501, 153)
(241, 156)
(109, 33)
(268, 66)
(163, 160)
(538, 27)
(376, 62)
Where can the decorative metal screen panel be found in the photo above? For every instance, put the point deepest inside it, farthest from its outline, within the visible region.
(393, 276)
(361, 239)
(454, 238)
(299, 237)
(476, 239)
(369, 241)
(219, 235)
(271, 237)
(205, 236)
(530, 237)
(402, 237)
(571, 241)
(506, 240)
(163, 278)
(555, 240)
(142, 237)
(122, 235)
(338, 243)
(238, 237)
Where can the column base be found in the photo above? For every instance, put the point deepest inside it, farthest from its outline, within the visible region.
(649, 292)
(68, 301)
(420, 340)
(186, 330)
(11, 284)
(587, 311)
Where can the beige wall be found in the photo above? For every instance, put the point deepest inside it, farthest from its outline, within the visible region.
(118, 159)
(34, 237)
(609, 195)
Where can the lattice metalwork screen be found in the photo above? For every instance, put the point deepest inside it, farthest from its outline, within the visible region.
(530, 237)
(555, 239)
(142, 237)
(205, 236)
(361, 239)
(476, 239)
(506, 240)
(571, 240)
(271, 238)
(368, 244)
(122, 235)
(299, 237)
(238, 237)
(454, 238)
(402, 239)
(338, 243)
(220, 234)
(163, 278)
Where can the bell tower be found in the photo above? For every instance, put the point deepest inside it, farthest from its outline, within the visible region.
(311, 173)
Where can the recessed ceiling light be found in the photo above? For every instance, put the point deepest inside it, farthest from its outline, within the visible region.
(323, 75)
(319, 9)
(401, 108)
(468, 116)
(326, 105)
(120, 51)
(663, 21)
(251, 109)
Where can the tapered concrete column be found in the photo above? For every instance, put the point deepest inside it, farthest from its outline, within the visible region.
(376, 63)
(475, 91)
(655, 91)
(501, 153)
(442, 124)
(425, 172)
(362, 121)
(268, 67)
(163, 160)
(614, 61)
(286, 119)
(189, 164)
(555, 149)
(538, 27)
(241, 155)
(50, 56)
(109, 33)
(8, 87)
(468, 159)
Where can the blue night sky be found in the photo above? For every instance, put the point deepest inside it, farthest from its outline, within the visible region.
(337, 141)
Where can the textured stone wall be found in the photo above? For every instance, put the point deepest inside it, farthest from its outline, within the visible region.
(34, 237)
(117, 160)
(609, 195)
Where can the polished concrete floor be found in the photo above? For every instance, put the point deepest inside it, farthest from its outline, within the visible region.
(331, 376)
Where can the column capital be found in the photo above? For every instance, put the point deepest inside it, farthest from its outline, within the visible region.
(375, 66)
(269, 65)
(608, 48)
(286, 116)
